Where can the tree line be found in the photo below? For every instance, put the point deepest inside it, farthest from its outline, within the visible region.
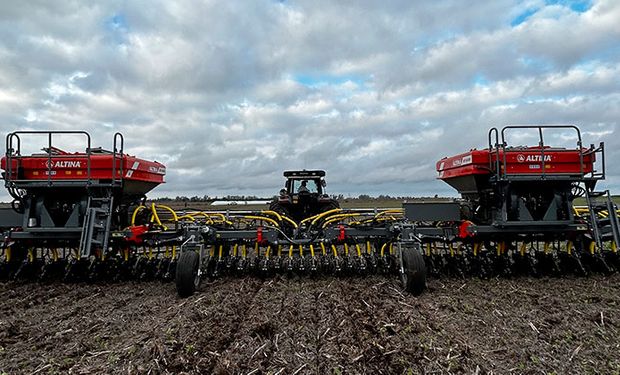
(207, 198)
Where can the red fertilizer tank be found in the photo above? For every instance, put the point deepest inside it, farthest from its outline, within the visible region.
(468, 171)
(74, 199)
(93, 166)
(515, 186)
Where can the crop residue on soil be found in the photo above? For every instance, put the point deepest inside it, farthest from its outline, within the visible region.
(313, 326)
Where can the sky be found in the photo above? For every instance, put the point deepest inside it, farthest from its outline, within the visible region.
(228, 94)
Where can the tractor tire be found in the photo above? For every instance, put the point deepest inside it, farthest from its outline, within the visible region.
(187, 273)
(330, 206)
(277, 207)
(413, 273)
(274, 205)
(284, 211)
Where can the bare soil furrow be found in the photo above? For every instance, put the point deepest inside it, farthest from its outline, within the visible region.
(313, 326)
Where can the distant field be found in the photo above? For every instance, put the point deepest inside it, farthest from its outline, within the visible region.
(345, 203)
(582, 201)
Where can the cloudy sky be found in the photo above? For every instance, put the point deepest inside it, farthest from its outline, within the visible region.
(228, 94)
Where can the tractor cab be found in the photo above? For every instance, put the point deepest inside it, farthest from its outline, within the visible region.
(303, 195)
(304, 182)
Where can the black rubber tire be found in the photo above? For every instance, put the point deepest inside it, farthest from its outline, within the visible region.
(279, 208)
(274, 205)
(414, 276)
(330, 206)
(187, 277)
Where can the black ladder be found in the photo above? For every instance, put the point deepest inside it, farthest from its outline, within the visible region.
(96, 229)
(604, 218)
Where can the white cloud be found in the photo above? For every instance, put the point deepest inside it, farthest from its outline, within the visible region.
(213, 89)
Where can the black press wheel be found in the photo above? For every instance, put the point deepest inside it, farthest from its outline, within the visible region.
(413, 271)
(187, 273)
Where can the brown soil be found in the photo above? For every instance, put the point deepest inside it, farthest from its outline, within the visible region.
(313, 326)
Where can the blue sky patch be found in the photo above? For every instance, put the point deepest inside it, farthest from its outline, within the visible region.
(579, 6)
(117, 23)
(523, 17)
(481, 80)
(536, 64)
(117, 27)
(314, 80)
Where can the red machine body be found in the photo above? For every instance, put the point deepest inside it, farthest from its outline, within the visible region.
(468, 171)
(510, 190)
(521, 161)
(139, 175)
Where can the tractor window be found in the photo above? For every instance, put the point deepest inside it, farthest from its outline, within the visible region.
(310, 185)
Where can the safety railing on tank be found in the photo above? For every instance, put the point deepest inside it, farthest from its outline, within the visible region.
(498, 150)
(13, 159)
(117, 153)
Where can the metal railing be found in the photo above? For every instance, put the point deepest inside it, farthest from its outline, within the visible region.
(115, 151)
(13, 158)
(499, 163)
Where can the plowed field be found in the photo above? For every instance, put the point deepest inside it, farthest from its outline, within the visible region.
(313, 326)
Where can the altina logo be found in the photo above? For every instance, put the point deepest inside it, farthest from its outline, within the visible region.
(532, 158)
(63, 164)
